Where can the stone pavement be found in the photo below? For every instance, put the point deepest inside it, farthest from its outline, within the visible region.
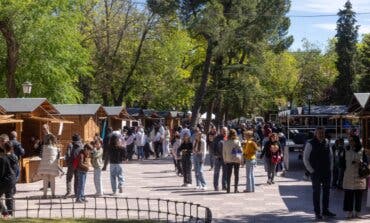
(288, 200)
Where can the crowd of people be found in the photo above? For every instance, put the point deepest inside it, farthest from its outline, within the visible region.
(229, 150)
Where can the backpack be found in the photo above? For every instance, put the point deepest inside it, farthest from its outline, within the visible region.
(76, 162)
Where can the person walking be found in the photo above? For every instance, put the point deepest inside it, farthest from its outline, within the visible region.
(176, 154)
(140, 141)
(71, 158)
(199, 156)
(8, 167)
(250, 148)
(317, 159)
(272, 153)
(116, 157)
(338, 151)
(106, 148)
(49, 167)
(186, 149)
(97, 163)
(353, 184)
(210, 139)
(219, 161)
(232, 156)
(83, 167)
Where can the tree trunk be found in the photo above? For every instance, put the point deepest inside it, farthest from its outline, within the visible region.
(209, 115)
(201, 91)
(12, 56)
(125, 85)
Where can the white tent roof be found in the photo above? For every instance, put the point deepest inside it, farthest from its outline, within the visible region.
(204, 116)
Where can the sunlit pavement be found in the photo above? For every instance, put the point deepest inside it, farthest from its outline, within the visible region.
(288, 200)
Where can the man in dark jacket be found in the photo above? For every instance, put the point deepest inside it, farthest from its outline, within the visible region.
(73, 150)
(106, 147)
(317, 159)
(17, 148)
(8, 168)
(219, 162)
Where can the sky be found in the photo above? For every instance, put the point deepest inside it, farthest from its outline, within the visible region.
(318, 30)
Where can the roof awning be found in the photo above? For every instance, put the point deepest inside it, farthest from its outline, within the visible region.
(7, 119)
(52, 120)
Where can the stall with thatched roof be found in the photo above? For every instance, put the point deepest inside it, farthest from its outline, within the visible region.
(360, 106)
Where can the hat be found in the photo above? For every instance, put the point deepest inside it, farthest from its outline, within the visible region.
(76, 137)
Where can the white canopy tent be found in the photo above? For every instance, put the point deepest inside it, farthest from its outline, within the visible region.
(204, 116)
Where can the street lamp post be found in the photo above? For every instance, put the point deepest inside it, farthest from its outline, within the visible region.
(309, 98)
(27, 88)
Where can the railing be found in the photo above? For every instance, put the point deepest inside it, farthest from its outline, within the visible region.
(109, 207)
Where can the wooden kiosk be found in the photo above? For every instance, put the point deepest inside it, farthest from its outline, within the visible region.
(116, 116)
(360, 106)
(34, 112)
(172, 119)
(86, 118)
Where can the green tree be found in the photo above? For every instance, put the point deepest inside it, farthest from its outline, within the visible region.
(364, 50)
(43, 46)
(346, 50)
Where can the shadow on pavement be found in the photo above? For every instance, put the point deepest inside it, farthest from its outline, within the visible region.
(280, 217)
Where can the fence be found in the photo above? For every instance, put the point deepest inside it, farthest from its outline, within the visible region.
(109, 207)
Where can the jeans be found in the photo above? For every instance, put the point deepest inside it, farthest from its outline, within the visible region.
(130, 151)
(351, 196)
(8, 191)
(229, 170)
(219, 163)
(157, 149)
(318, 182)
(140, 152)
(198, 167)
(249, 166)
(97, 181)
(211, 159)
(116, 172)
(186, 165)
(271, 169)
(71, 172)
(81, 185)
(338, 174)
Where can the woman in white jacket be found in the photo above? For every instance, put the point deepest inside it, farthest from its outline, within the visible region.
(49, 168)
(199, 155)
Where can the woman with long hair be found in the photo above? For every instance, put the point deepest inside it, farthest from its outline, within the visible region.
(232, 155)
(49, 168)
(353, 184)
(186, 150)
(199, 156)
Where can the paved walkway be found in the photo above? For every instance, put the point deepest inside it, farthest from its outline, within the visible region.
(289, 200)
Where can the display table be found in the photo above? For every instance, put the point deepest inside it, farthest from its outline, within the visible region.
(30, 166)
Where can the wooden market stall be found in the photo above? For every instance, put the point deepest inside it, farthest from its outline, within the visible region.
(150, 117)
(87, 120)
(360, 106)
(172, 119)
(9, 124)
(117, 117)
(34, 112)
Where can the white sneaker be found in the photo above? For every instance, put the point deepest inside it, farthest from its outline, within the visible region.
(204, 188)
(198, 187)
(188, 185)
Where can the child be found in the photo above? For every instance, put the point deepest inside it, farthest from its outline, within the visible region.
(97, 162)
(83, 168)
